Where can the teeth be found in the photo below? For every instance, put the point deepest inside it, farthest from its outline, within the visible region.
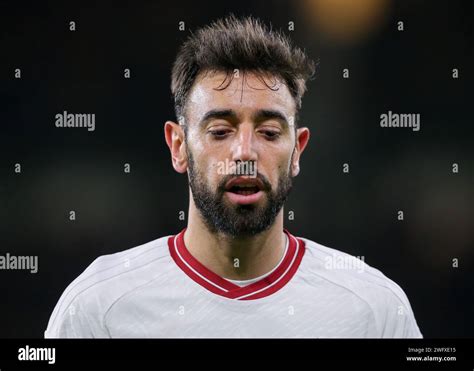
(244, 189)
(246, 192)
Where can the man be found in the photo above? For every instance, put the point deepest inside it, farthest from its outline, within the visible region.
(234, 271)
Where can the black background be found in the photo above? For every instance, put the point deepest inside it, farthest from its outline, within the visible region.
(390, 169)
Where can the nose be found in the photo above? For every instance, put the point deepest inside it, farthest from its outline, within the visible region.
(243, 148)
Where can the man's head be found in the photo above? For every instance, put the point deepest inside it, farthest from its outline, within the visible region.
(238, 87)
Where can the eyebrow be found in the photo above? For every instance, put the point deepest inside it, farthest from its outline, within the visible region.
(266, 114)
(260, 115)
(218, 114)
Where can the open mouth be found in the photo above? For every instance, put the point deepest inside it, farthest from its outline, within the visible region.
(244, 189)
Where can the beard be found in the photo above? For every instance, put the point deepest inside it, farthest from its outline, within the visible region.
(236, 220)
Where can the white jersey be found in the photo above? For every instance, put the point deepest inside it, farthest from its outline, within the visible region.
(160, 290)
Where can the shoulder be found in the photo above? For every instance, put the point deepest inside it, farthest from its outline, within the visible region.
(352, 275)
(80, 310)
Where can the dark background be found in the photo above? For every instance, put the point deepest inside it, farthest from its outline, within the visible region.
(390, 169)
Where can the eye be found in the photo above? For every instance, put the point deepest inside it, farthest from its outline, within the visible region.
(219, 133)
(270, 134)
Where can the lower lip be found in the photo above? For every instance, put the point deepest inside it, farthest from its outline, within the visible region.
(244, 199)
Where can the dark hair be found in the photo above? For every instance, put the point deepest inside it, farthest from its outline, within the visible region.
(244, 44)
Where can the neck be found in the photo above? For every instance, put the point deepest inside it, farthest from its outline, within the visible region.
(239, 258)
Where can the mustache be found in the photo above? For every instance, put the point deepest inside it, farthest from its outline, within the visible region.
(266, 184)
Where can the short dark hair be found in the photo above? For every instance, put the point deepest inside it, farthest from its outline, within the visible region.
(245, 44)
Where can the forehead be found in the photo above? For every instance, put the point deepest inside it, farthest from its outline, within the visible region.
(243, 92)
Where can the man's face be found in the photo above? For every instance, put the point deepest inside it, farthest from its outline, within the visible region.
(246, 123)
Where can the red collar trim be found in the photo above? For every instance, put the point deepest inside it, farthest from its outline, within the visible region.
(220, 286)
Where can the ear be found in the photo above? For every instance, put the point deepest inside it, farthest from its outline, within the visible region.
(302, 138)
(174, 136)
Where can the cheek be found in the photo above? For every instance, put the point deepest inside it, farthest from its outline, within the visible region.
(207, 156)
(208, 166)
(194, 141)
(279, 164)
(212, 171)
